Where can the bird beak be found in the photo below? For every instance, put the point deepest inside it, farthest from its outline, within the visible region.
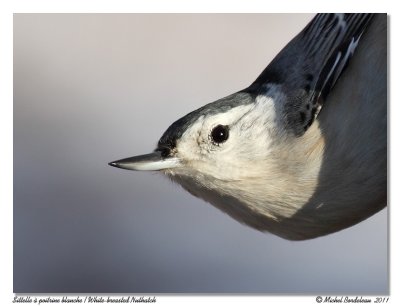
(148, 162)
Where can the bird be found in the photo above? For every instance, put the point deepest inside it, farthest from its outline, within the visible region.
(302, 151)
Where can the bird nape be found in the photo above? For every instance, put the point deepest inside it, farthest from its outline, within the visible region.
(301, 152)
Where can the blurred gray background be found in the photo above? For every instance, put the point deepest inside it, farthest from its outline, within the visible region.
(93, 88)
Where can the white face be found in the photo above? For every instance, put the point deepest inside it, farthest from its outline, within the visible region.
(248, 133)
(247, 171)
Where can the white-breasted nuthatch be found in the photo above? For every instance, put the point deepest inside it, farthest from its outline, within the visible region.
(301, 152)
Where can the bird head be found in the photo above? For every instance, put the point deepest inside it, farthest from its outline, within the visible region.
(225, 140)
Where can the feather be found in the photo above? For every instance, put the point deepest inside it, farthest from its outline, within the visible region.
(311, 64)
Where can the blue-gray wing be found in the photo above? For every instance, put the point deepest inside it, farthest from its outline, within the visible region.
(309, 66)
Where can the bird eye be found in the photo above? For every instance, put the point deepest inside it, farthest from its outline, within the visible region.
(220, 134)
